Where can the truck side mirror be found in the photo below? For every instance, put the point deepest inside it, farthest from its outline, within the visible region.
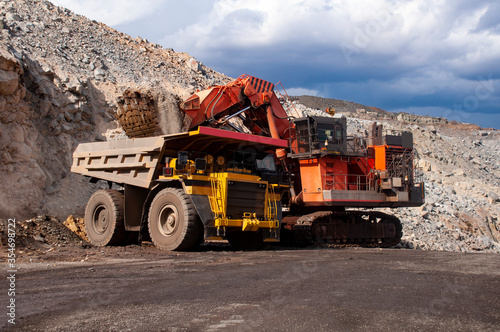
(200, 164)
(182, 160)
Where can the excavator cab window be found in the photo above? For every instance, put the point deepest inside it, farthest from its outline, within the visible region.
(305, 135)
(325, 135)
(327, 132)
(331, 135)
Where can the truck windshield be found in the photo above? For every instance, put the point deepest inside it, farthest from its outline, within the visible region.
(266, 164)
(251, 161)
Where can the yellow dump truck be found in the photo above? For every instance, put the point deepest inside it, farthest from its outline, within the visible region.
(179, 190)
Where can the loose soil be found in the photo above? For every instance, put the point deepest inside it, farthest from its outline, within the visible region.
(218, 289)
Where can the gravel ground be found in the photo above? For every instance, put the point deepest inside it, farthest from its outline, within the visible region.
(218, 289)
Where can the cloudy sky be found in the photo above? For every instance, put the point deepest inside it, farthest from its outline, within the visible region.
(439, 57)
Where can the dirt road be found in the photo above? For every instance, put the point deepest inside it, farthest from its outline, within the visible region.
(216, 289)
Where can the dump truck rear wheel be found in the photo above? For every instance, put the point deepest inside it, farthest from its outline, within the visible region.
(173, 222)
(104, 216)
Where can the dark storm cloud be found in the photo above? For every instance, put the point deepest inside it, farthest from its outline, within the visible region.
(434, 56)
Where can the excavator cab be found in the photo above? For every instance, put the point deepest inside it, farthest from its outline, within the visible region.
(320, 135)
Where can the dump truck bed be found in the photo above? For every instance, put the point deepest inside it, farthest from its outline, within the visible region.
(135, 161)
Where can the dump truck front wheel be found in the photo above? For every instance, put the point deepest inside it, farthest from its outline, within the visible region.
(104, 218)
(173, 221)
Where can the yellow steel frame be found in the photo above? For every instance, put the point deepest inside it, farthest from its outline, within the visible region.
(249, 222)
(217, 194)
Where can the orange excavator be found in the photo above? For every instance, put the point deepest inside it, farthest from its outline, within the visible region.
(332, 172)
(337, 179)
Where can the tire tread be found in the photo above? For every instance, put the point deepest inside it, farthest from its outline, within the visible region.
(193, 227)
(117, 202)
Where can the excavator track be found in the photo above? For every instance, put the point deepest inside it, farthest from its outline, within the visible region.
(362, 228)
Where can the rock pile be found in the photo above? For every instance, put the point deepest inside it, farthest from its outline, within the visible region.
(77, 226)
(462, 179)
(461, 172)
(460, 167)
(42, 232)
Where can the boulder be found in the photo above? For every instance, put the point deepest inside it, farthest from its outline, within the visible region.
(193, 65)
(9, 82)
(493, 198)
(424, 165)
(77, 226)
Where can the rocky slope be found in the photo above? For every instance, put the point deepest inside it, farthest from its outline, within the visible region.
(462, 177)
(359, 111)
(460, 166)
(62, 75)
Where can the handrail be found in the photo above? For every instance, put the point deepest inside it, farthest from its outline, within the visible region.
(356, 182)
(218, 198)
(287, 104)
(271, 204)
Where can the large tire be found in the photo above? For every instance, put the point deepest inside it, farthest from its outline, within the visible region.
(104, 216)
(173, 221)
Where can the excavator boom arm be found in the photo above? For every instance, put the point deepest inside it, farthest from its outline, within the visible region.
(251, 95)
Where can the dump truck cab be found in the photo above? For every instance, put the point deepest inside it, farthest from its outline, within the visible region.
(181, 189)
